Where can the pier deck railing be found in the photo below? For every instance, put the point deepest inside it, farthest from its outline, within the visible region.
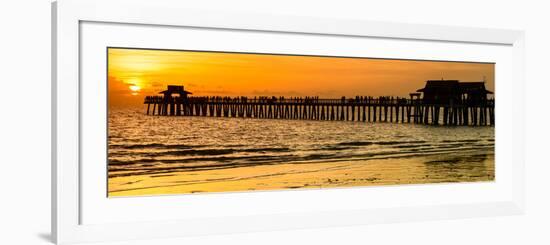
(360, 108)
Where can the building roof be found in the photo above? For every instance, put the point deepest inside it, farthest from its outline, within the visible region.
(473, 86)
(175, 89)
(439, 84)
(463, 87)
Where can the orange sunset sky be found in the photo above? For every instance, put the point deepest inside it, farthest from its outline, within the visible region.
(135, 73)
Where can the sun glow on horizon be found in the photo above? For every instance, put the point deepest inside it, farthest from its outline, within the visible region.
(135, 88)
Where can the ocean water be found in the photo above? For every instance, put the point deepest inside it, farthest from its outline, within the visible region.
(143, 147)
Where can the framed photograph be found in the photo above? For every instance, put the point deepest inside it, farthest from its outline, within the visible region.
(173, 122)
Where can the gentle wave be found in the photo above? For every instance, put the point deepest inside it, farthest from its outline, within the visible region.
(200, 152)
(295, 156)
(363, 143)
(152, 145)
(172, 165)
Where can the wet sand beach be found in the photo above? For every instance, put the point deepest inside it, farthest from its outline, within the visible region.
(411, 170)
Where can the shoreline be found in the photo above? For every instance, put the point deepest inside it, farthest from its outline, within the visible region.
(437, 168)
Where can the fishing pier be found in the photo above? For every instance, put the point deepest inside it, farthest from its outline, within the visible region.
(444, 102)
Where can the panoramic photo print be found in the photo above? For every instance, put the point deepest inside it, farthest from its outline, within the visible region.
(183, 122)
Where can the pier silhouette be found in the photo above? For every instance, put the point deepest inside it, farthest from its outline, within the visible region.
(440, 102)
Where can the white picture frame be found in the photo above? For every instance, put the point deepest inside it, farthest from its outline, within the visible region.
(67, 204)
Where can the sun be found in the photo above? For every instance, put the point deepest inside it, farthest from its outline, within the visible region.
(135, 88)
